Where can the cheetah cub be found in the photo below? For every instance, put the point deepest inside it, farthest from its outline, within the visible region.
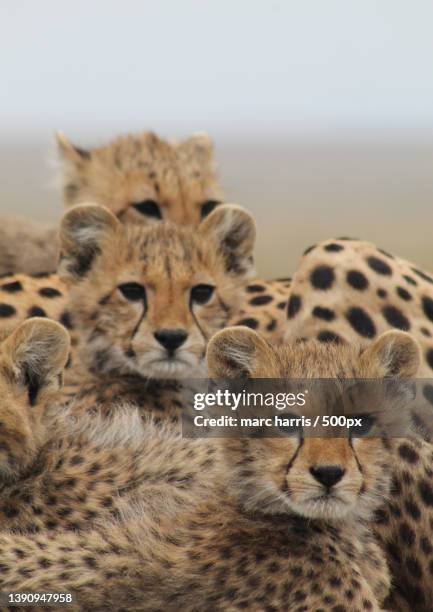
(137, 176)
(258, 541)
(144, 301)
(57, 473)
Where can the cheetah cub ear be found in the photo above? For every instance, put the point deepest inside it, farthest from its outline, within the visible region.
(83, 231)
(198, 146)
(34, 357)
(69, 153)
(233, 231)
(237, 352)
(393, 354)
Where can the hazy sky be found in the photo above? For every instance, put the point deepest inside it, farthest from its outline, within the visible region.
(232, 66)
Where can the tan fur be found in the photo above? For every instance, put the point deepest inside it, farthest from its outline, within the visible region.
(400, 285)
(27, 246)
(405, 526)
(57, 472)
(131, 169)
(167, 261)
(178, 178)
(229, 551)
(164, 261)
(32, 360)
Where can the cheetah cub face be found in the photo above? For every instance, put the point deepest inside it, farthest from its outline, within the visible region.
(147, 299)
(32, 360)
(316, 477)
(143, 178)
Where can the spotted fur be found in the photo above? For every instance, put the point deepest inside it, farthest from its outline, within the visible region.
(230, 551)
(60, 473)
(141, 178)
(119, 353)
(347, 291)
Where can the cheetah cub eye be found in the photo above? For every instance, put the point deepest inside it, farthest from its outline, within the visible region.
(133, 292)
(148, 208)
(208, 207)
(201, 294)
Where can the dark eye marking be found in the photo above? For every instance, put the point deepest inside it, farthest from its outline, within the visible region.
(132, 291)
(289, 429)
(367, 422)
(200, 294)
(208, 207)
(149, 208)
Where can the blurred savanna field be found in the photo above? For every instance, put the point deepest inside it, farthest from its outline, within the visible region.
(321, 113)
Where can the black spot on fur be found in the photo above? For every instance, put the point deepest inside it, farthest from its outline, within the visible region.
(410, 280)
(66, 320)
(49, 292)
(426, 493)
(427, 548)
(414, 567)
(396, 318)
(76, 460)
(423, 275)
(357, 280)
(333, 247)
(271, 325)
(36, 311)
(13, 287)
(386, 253)
(252, 323)
(255, 289)
(323, 313)
(361, 322)
(427, 306)
(322, 277)
(404, 294)
(10, 511)
(412, 509)
(379, 266)
(293, 306)
(407, 453)
(382, 293)
(407, 534)
(260, 300)
(329, 336)
(7, 311)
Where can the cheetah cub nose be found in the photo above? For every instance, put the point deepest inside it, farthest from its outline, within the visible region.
(171, 339)
(327, 475)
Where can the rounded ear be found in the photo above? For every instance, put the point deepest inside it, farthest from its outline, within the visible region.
(199, 145)
(233, 230)
(70, 153)
(394, 354)
(35, 355)
(83, 230)
(234, 352)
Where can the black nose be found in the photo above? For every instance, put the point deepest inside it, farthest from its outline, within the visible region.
(327, 475)
(171, 339)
